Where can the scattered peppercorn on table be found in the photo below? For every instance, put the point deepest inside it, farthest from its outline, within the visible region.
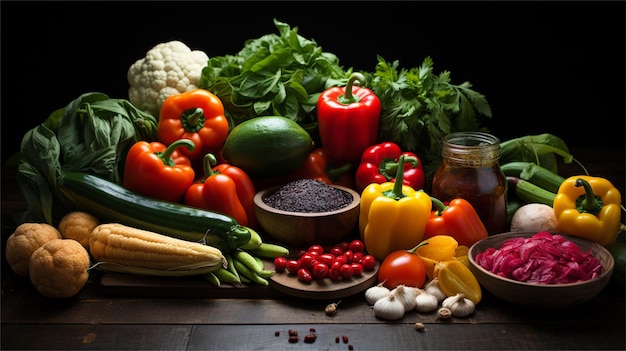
(181, 316)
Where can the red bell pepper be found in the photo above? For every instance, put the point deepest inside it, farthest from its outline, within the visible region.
(379, 164)
(226, 189)
(197, 115)
(152, 169)
(457, 219)
(347, 120)
(317, 166)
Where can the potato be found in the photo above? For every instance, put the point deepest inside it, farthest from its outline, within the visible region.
(27, 238)
(78, 225)
(59, 269)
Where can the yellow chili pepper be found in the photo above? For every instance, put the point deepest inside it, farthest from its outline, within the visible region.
(392, 216)
(588, 207)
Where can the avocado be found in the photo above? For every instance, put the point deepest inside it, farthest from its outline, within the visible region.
(267, 146)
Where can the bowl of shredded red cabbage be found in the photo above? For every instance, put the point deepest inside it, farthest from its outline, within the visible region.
(541, 269)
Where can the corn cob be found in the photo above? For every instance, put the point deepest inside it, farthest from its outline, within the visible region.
(121, 248)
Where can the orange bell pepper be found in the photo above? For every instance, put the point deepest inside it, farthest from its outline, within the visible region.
(161, 172)
(197, 115)
(458, 219)
(226, 189)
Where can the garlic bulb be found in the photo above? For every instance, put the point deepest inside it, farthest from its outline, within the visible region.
(425, 302)
(376, 293)
(406, 295)
(389, 308)
(432, 287)
(459, 305)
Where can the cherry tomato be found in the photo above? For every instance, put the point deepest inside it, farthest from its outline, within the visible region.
(293, 266)
(336, 251)
(357, 246)
(306, 260)
(320, 270)
(402, 267)
(345, 271)
(368, 262)
(318, 248)
(348, 255)
(341, 258)
(344, 245)
(326, 259)
(357, 269)
(304, 275)
(334, 274)
(357, 257)
(280, 264)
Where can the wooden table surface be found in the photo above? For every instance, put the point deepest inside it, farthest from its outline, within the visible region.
(192, 318)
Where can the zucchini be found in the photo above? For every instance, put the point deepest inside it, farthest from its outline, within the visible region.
(533, 173)
(111, 202)
(529, 192)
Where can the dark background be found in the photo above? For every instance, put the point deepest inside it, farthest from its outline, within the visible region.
(545, 67)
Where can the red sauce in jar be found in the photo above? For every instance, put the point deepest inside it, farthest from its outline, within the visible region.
(470, 170)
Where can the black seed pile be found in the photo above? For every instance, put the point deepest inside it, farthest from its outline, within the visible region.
(308, 196)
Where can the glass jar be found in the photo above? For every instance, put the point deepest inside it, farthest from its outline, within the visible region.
(471, 170)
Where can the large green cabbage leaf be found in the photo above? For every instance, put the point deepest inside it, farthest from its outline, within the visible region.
(91, 134)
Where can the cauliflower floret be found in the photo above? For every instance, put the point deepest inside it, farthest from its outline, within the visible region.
(27, 238)
(169, 68)
(58, 269)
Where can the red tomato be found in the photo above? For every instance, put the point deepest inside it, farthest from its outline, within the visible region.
(402, 267)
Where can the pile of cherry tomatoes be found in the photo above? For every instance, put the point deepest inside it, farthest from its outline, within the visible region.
(339, 262)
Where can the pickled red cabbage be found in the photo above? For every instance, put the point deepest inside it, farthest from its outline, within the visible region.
(544, 258)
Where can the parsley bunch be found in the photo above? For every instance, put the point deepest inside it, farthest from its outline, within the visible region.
(419, 108)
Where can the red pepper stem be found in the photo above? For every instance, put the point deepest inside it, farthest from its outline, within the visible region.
(166, 156)
(348, 98)
(438, 205)
(589, 202)
(191, 119)
(208, 162)
(333, 173)
(388, 168)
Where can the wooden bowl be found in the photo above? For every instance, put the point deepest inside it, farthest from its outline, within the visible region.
(541, 295)
(301, 229)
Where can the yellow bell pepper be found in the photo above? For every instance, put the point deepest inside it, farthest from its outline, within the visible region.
(392, 216)
(588, 207)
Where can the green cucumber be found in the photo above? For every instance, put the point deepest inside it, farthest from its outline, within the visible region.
(113, 203)
(533, 173)
(267, 146)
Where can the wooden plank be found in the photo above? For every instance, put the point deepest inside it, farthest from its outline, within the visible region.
(386, 336)
(94, 337)
(90, 308)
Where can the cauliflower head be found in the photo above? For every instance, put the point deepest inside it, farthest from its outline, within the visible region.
(59, 269)
(27, 238)
(169, 68)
